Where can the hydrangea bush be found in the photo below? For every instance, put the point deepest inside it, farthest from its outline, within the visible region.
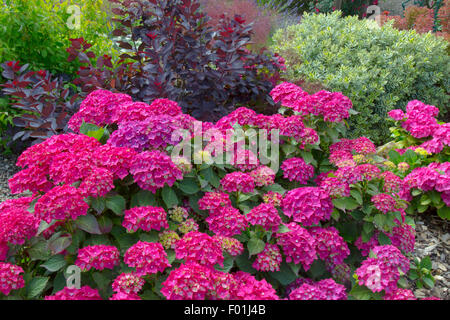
(322, 220)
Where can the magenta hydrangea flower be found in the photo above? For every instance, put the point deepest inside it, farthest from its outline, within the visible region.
(147, 258)
(61, 203)
(128, 283)
(330, 246)
(263, 176)
(363, 145)
(299, 246)
(400, 294)
(269, 259)
(242, 115)
(391, 256)
(366, 247)
(349, 175)
(335, 188)
(419, 106)
(296, 169)
(238, 182)
(200, 248)
(273, 198)
(224, 286)
(98, 257)
(152, 170)
(165, 107)
(117, 160)
(245, 160)
(146, 218)
(4, 249)
(97, 108)
(419, 124)
(333, 106)
(33, 179)
(403, 237)
(368, 171)
(189, 281)
(230, 245)
(10, 278)
(99, 182)
(84, 293)
(132, 111)
(396, 114)
(326, 289)
(392, 182)
(17, 224)
(423, 178)
(248, 288)
(69, 167)
(125, 296)
(214, 200)
(265, 215)
(442, 134)
(291, 96)
(307, 205)
(227, 221)
(384, 202)
(432, 146)
(154, 132)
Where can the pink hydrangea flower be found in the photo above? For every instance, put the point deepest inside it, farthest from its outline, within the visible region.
(188, 282)
(125, 296)
(187, 226)
(265, 215)
(248, 288)
(296, 169)
(227, 221)
(307, 205)
(128, 283)
(423, 178)
(442, 134)
(326, 289)
(273, 198)
(269, 259)
(61, 203)
(99, 182)
(117, 160)
(98, 257)
(152, 170)
(238, 182)
(10, 278)
(147, 258)
(145, 218)
(363, 145)
(245, 160)
(335, 188)
(366, 247)
(263, 176)
(165, 106)
(84, 293)
(403, 237)
(299, 246)
(199, 248)
(230, 245)
(214, 200)
(384, 202)
(330, 246)
(400, 294)
(397, 114)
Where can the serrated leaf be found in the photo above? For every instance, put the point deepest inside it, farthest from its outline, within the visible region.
(255, 246)
(36, 286)
(60, 244)
(116, 204)
(88, 223)
(285, 276)
(169, 197)
(55, 263)
(189, 186)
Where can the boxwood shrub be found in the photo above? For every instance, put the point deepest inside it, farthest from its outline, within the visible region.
(379, 69)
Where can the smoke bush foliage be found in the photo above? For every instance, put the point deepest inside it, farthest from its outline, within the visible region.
(378, 68)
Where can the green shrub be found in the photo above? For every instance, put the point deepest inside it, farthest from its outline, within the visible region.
(377, 68)
(36, 32)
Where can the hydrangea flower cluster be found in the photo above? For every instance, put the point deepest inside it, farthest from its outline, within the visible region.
(342, 152)
(230, 245)
(263, 176)
(125, 296)
(199, 248)
(98, 183)
(17, 224)
(273, 198)
(116, 159)
(307, 205)
(400, 294)
(299, 246)
(366, 247)
(335, 188)
(153, 169)
(10, 278)
(296, 169)
(168, 239)
(238, 182)
(187, 226)
(145, 218)
(382, 272)
(128, 283)
(214, 200)
(245, 160)
(227, 221)
(269, 259)
(330, 246)
(248, 288)
(147, 258)
(98, 257)
(265, 215)
(84, 293)
(326, 289)
(384, 202)
(61, 203)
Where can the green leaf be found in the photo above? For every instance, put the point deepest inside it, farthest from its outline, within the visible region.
(426, 263)
(361, 293)
(189, 186)
(244, 263)
(149, 236)
(283, 229)
(383, 239)
(60, 244)
(169, 197)
(275, 188)
(317, 268)
(285, 276)
(428, 281)
(55, 263)
(105, 224)
(255, 246)
(39, 251)
(211, 177)
(379, 220)
(345, 203)
(357, 195)
(116, 204)
(143, 198)
(395, 157)
(98, 204)
(444, 212)
(36, 286)
(227, 265)
(88, 223)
